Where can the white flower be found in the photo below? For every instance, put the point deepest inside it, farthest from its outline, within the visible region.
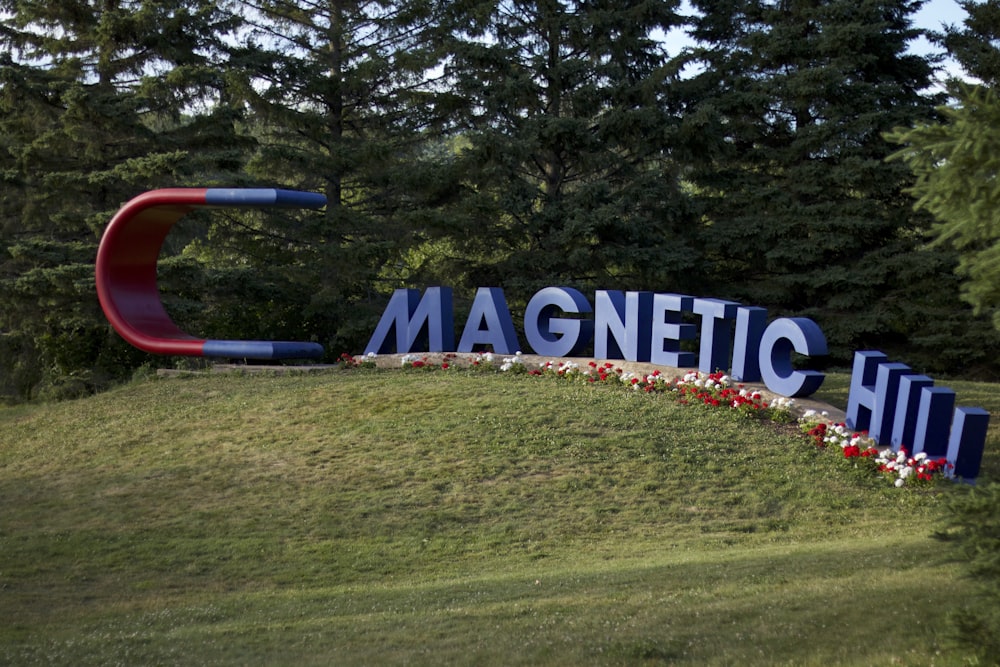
(920, 457)
(509, 362)
(899, 482)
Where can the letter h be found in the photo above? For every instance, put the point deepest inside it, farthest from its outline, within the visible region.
(871, 404)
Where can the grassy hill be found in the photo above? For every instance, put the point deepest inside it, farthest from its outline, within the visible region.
(391, 517)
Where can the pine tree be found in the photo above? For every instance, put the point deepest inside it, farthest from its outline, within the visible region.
(565, 124)
(973, 44)
(956, 165)
(787, 117)
(340, 91)
(100, 101)
(953, 159)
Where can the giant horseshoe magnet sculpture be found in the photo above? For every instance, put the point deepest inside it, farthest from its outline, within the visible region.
(126, 271)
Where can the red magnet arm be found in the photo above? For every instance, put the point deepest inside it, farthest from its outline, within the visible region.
(126, 271)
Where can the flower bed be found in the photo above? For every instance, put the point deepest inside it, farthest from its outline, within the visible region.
(712, 390)
(900, 467)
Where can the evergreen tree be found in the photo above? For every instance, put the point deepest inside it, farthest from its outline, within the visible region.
(974, 44)
(787, 117)
(565, 125)
(972, 524)
(340, 91)
(956, 166)
(99, 101)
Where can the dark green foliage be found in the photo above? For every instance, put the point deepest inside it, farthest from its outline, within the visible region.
(564, 167)
(974, 43)
(955, 163)
(786, 120)
(974, 525)
(340, 95)
(97, 104)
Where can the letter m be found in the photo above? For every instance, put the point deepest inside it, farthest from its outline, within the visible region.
(428, 320)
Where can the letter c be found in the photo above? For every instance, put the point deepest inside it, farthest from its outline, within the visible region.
(781, 337)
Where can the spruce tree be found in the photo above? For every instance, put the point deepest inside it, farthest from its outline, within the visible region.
(955, 161)
(340, 92)
(565, 126)
(974, 43)
(100, 101)
(786, 119)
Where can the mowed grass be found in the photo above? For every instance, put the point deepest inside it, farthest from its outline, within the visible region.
(403, 517)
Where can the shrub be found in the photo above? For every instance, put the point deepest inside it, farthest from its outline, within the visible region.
(973, 515)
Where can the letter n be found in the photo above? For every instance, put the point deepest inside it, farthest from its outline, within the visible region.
(623, 325)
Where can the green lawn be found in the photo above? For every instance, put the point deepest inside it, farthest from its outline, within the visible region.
(405, 517)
